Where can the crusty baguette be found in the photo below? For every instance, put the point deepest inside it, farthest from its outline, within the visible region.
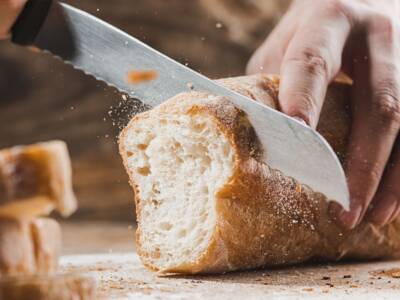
(29, 246)
(206, 203)
(48, 287)
(36, 179)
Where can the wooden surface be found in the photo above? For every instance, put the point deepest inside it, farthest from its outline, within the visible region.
(121, 275)
(42, 99)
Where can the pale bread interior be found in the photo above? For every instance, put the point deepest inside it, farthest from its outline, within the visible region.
(178, 162)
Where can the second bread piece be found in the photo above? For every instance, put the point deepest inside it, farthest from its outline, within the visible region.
(36, 179)
(29, 247)
(53, 287)
(207, 203)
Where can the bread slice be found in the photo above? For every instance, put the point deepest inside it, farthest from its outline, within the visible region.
(206, 203)
(29, 246)
(36, 179)
(44, 287)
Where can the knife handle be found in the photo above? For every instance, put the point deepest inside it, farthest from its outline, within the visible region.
(29, 22)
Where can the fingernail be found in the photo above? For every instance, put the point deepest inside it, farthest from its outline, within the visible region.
(300, 120)
(395, 214)
(350, 219)
(383, 211)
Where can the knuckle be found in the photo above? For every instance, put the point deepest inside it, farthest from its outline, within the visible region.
(386, 106)
(338, 7)
(384, 25)
(314, 62)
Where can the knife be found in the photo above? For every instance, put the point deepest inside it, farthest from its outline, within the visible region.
(109, 54)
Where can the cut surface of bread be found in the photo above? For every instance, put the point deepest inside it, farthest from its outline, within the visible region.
(206, 202)
(36, 179)
(29, 246)
(48, 287)
(180, 161)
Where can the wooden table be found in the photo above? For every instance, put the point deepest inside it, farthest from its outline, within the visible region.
(111, 259)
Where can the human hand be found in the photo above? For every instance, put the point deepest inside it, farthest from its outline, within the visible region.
(9, 11)
(316, 40)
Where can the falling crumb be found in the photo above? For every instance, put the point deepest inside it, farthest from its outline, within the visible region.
(218, 25)
(190, 85)
(136, 77)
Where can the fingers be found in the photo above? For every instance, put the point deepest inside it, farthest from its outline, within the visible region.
(268, 58)
(376, 119)
(312, 60)
(385, 206)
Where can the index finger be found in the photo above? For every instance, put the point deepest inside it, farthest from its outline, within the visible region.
(311, 62)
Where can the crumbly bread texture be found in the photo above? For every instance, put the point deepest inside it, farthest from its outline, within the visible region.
(56, 287)
(29, 246)
(36, 179)
(206, 203)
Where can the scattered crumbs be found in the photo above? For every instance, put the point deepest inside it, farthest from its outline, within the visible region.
(190, 85)
(137, 77)
(346, 276)
(330, 285)
(326, 278)
(354, 286)
(308, 289)
(394, 273)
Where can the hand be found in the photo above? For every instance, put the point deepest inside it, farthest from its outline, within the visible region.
(314, 42)
(9, 11)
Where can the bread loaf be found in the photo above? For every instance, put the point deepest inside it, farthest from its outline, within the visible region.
(36, 179)
(57, 287)
(29, 246)
(206, 203)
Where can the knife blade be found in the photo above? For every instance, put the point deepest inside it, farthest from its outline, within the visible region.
(109, 54)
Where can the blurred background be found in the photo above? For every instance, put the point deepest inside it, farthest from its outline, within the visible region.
(43, 99)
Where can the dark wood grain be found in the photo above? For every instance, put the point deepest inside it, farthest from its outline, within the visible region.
(43, 99)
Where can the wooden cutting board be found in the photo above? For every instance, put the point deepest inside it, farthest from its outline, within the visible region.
(122, 276)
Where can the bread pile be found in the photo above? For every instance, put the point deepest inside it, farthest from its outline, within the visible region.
(206, 203)
(34, 181)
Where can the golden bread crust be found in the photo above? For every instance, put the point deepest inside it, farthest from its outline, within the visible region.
(265, 218)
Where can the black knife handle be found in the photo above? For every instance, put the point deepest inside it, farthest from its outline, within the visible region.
(29, 22)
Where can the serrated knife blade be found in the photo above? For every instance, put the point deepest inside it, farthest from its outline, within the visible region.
(107, 53)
